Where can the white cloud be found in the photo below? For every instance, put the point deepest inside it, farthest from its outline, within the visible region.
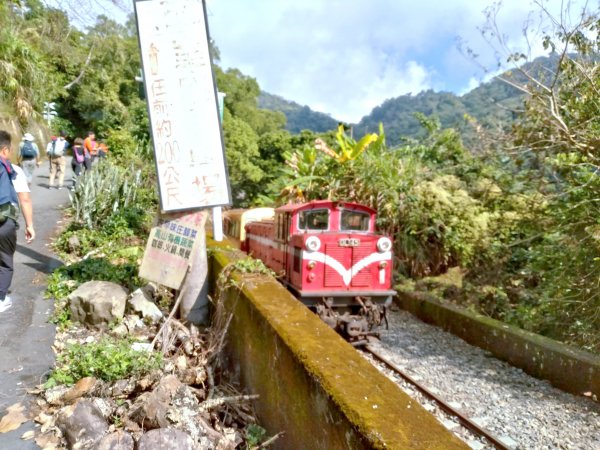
(346, 57)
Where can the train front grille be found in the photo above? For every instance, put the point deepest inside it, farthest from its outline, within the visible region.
(346, 257)
(334, 253)
(363, 277)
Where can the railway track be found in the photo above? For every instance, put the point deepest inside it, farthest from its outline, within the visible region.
(464, 420)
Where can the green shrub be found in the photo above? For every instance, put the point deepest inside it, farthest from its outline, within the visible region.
(66, 279)
(61, 316)
(120, 142)
(254, 435)
(108, 359)
(104, 191)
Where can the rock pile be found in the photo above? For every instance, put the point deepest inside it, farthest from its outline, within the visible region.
(179, 406)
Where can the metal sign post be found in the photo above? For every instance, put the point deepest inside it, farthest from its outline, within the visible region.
(217, 216)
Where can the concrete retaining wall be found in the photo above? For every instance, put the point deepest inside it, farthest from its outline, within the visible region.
(312, 384)
(569, 369)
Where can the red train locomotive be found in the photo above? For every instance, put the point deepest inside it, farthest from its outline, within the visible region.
(330, 256)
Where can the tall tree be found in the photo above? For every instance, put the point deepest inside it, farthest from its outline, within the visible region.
(101, 96)
(26, 72)
(244, 125)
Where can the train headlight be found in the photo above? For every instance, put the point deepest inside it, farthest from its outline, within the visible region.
(384, 245)
(313, 244)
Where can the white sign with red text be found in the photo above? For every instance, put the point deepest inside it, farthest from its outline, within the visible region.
(182, 104)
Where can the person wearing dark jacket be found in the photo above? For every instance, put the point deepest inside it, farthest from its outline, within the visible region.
(78, 160)
(9, 210)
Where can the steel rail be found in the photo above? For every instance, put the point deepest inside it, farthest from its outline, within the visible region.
(464, 420)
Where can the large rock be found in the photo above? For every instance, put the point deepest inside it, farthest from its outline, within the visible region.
(183, 415)
(142, 302)
(119, 440)
(73, 244)
(150, 409)
(98, 303)
(166, 438)
(83, 387)
(82, 424)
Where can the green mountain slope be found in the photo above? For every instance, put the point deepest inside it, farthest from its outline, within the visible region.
(493, 104)
(298, 117)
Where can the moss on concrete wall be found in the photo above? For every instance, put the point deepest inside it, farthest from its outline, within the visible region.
(312, 384)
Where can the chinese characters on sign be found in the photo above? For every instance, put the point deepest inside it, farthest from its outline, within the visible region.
(170, 249)
(182, 104)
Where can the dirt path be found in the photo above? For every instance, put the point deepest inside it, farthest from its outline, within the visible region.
(25, 334)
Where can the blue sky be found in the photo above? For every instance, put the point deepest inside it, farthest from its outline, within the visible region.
(344, 58)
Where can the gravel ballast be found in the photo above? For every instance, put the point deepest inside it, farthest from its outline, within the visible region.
(524, 412)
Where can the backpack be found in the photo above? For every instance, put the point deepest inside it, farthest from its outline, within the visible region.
(58, 151)
(79, 157)
(28, 151)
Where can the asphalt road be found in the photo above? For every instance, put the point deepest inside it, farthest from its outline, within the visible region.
(25, 334)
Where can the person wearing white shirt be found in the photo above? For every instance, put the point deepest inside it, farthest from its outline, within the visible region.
(56, 153)
(24, 194)
(9, 197)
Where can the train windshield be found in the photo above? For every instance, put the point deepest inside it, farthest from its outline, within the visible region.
(314, 219)
(355, 220)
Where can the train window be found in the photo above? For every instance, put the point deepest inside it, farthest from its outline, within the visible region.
(279, 225)
(286, 225)
(297, 252)
(355, 220)
(314, 219)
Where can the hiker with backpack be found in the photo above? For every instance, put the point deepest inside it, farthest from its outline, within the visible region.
(56, 150)
(29, 156)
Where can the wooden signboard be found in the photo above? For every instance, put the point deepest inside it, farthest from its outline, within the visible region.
(171, 248)
(182, 104)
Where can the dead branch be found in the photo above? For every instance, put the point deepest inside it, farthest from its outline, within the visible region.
(269, 441)
(80, 76)
(166, 322)
(210, 380)
(210, 431)
(177, 324)
(210, 404)
(221, 342)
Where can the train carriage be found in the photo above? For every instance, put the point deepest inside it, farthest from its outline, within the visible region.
(330, 256)
(235, 221)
